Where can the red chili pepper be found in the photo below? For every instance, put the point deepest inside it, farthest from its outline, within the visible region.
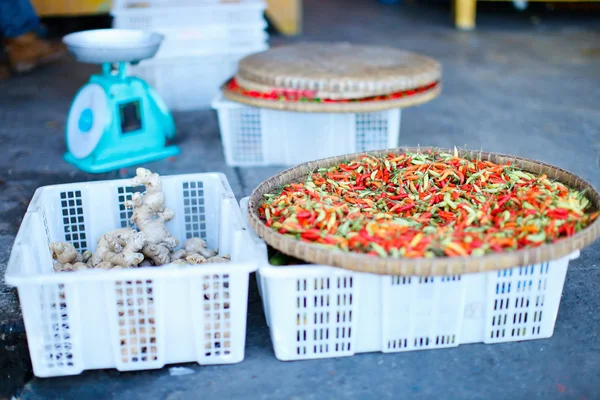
(400, 208)
(363, 207)
(503, 200)
(345, 167)
(311, 234)
(558, 213)
(303, 214)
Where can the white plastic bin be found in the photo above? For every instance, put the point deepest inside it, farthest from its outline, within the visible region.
(316, 311)
(259, 137)
(139, 318)
(163, 14)
(119, 4)
(190, 82)
(212, 40)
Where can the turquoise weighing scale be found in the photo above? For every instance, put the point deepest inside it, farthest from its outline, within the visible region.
(115, 120)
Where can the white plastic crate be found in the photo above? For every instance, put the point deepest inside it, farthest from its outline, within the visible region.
(119, 4)
(316, 311)
(191, 82)
(164, 14)
(212, 40)
(139, 318)
(258, 136)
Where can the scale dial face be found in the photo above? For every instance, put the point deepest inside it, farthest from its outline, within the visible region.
(88, 118)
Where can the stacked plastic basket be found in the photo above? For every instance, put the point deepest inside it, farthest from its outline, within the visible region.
(294, 104)
(204, 40)
(387, 304)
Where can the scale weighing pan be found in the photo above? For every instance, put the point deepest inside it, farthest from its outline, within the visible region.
(101, 46)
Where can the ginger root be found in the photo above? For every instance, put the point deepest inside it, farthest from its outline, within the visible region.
(67, 258)
(195, 258)
(151, 244)
(68, 267)
(107, 243)
(197, 245)
(180, 254)
(150, 216)
(79, 266)
(104, 265)
(195, 251)
(65, 253)
(217, 259)
(127, 255)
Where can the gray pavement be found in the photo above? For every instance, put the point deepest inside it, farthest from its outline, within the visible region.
(519, 85)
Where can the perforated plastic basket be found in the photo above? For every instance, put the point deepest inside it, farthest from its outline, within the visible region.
(190, 82)
(258, 137)
(120, 4)
(163, 14)
(140, 318)
(213, 40)
(316, 311)
(210, 40)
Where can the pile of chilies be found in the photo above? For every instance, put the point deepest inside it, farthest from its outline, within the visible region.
(426, 205)
(293, 95)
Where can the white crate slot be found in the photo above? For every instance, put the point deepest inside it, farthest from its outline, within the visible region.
(421, 312)
(524, 304)
(137, 326)
(139, 318)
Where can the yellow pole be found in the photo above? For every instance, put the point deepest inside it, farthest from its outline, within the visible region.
(286, 15)
(465, 14)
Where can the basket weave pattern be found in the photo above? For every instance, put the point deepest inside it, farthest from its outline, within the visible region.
(425, 266)
(337, 71)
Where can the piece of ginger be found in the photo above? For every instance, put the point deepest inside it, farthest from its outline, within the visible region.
(195, 258)
(150, 215)
(65, 253)
(128, 255)
(111, 242)
(197, 245)
(217, 259)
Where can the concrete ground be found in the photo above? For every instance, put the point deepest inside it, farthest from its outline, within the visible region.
(523, 83)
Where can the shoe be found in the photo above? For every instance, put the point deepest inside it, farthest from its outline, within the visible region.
(27, 52)
(4, 71)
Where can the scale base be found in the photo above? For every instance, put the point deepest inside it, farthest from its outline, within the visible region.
(94, 167)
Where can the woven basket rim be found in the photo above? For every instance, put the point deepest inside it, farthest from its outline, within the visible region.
(337, 70)
(426, 266)
(356, 107)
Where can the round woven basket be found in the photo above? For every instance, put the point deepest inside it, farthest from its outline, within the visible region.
(424, 266)
(336, 72)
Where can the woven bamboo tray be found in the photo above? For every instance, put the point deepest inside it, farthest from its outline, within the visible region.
(425, 266)
(338, 72)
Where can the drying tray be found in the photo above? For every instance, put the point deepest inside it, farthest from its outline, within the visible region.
(334, 77)
(424, 266)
